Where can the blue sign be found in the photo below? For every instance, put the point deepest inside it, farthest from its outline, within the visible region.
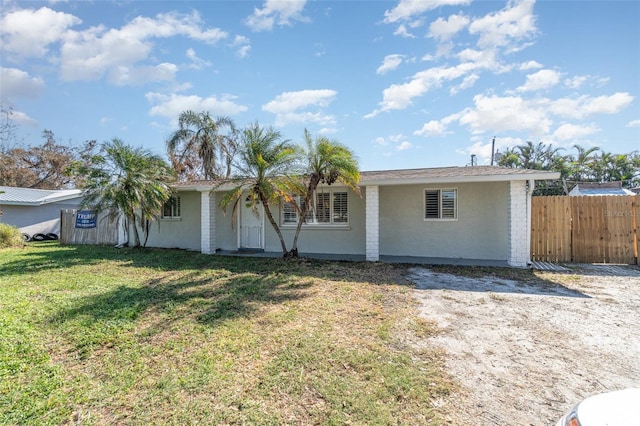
(86, 219)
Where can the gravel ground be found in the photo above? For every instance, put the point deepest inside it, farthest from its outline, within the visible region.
(524, 353)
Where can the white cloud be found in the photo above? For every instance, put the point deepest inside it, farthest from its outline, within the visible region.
(569, 131)
(171, 106)
(584, 106)
(21, 118)
(404, 146)
(445, 29)
(530, 65)
(542, 79)
(288, 105)
(432, 128)
(406, 9)
(576, 82)
(29, 33)
(196, 62)
(403, 32)
(499, 114)
(400, 96)
(633, 123)
(133, 76)
(467, 83)
(19, 84)
(381, 141)
(280, 12)
(117, 53)
(243, 46)
(389, 63)
(502, 28)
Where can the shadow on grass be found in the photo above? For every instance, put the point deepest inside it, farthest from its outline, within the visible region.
(50, 256)
(209, 299)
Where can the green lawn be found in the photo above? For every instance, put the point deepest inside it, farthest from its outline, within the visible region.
(97, 335)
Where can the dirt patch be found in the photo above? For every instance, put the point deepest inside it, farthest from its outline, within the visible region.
(525, 352)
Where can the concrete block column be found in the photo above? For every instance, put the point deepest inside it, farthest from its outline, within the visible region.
(372, 223)
(519, 224)
(207, 222)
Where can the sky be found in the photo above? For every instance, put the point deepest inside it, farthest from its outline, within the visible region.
(404, 84)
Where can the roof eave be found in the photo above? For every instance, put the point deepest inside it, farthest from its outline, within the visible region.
(460, 179)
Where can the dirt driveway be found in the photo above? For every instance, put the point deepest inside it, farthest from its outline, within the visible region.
(524, 353)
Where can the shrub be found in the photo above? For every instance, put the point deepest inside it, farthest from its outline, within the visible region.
(10, 236)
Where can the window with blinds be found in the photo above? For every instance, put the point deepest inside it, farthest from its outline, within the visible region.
(327, 208)
(440, 204)
(171, 208)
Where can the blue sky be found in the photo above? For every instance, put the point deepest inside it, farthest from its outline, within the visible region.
(405, 84)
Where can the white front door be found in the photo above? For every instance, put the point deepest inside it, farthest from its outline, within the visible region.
(251, 226)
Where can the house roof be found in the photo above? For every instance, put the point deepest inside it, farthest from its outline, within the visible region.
(453, 174)
(35, 197)
(416, 176)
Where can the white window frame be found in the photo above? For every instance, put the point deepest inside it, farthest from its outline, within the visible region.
(440, 207)
(335, 218)
(174, 205)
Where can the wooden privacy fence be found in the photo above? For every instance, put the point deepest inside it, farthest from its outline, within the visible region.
(586, 229)
(104, 232)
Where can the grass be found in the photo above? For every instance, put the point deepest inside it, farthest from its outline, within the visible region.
(96, 335)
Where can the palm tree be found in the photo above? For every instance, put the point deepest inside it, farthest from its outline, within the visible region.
(199, 149)
(265, 169)
(327, 161)
(582, 164)
(128, 180)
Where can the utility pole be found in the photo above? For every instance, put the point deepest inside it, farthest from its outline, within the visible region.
(493, 149)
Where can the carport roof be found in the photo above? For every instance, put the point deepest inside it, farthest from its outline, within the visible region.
(35, 197)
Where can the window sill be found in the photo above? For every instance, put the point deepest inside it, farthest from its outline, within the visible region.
(314, 226)
(171, 219)
(441, 220)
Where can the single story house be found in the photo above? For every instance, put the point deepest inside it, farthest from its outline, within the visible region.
(36, 211)
(464, 215)
(599, 188)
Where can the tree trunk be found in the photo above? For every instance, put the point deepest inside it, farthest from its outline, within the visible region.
(273, 223)
(311, 188)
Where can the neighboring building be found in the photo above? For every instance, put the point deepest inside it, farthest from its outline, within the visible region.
(595, 188)
(36, 211)
(471, 215)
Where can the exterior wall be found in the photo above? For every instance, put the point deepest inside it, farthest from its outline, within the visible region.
(33, 220)
(183, 233)
(348, 239)
(226, 226)
(480, 232)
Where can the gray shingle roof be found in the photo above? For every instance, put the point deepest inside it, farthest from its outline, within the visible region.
(35, 197)
(408, 176)
(454, 174)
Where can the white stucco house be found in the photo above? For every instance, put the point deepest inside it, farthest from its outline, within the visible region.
(479, 214)
(36, 211)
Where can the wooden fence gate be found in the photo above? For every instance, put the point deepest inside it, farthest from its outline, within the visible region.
(593, 229)
(105, 231)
